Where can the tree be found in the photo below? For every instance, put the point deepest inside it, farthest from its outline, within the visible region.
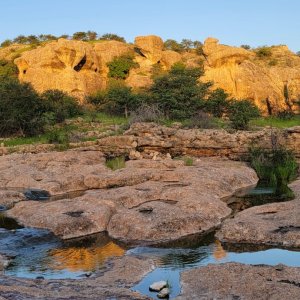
(247, 47)
(241, 112)
(6, 43)
(8, 69)
(80, 36)
(264, 52)
(173, 45)
(186, 44)
(21, 108)
(179, 93)
(64, 36)
(21, 39)
(91, 35)
(112, 36)
(120, 66)
(217, 103)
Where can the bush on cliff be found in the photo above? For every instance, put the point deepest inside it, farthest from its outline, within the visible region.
(21, 108)
(8, 68)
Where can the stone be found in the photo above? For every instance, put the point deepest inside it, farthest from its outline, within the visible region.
(238, 281)
(164, 293)
(276, 224)
(4, 262)
(157, 286)
(169, 58)
(151, 46)
(70, 66)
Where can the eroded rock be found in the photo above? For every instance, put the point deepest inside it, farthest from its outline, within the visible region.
(238, 281)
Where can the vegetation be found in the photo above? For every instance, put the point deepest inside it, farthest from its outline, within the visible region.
(185, 45)
(120, 66)
(263, 52)
(241, 112)
(116, 163)
(247, 47)
(8, 69)
(188, 161)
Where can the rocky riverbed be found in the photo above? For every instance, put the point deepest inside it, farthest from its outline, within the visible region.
(149, 201)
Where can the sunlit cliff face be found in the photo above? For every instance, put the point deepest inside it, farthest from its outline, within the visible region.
(83, 259)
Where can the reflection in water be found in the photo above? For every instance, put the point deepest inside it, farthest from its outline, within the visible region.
(83, 259)
(218, 251)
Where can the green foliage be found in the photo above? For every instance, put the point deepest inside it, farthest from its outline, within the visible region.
(112, 36)
(188, 161)
(173, 45)
(273, 62)
(8, 69)
(277, 122)
(6, 43)
(240, 113)
(21, 109)
(247, 47)
(179, 94)
(58, 137)
(277, 166)
(80, 36)
(263, 52)
(120, 66)
(115, 163)
(217, 103)
(60, 106)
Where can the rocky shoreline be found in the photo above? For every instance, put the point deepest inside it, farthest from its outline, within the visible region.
(153, 199)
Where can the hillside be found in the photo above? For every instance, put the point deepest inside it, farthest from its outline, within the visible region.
(271, 78)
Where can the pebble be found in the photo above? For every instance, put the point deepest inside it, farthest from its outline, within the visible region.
(164, 293)
(157, 286)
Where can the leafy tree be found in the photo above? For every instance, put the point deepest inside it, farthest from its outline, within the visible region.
(60, 106)
(241, 112)
(21, 39)
(91, 35)
(80, 36)
(64, 36)
(6, 43)
(112, 37)
(179, 93)
(247, 47)
(32, 39)
(46, 37)
(217, 103)
(186, 44)
(173, 45)
(120, 66)
(21, 108)
(8, 69)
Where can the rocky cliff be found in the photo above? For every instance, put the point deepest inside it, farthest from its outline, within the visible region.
(80, 68)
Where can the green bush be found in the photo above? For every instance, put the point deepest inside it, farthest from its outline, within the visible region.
(60, 106)
(120, 66)
(179, 94)
(240, 112)
(8, 69)
(188, 161)
(112, 37)
(21, 108)
(264, 52)
(116, 163)
(217, 103)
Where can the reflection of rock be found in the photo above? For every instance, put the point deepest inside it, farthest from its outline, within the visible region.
(219, 252)
(270, 224)
(84, 259)
(157, 286)
(237, 281)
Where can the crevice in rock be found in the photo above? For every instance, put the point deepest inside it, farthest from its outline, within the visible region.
(297, 284)
(286, 229)
(138, 51)
(74, 214)
(80, 65)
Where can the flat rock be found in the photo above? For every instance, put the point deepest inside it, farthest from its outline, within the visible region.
(238, 281)
(115, 283)
(272, 224)
(157, 286)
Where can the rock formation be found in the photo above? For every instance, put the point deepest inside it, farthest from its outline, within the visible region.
(80, 68)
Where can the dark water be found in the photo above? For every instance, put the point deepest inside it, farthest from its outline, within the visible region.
(39, 253)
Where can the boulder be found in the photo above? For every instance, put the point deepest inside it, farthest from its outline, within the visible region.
(238, 281)
(150, 46)
(276, 224)
(169, 58)
(70, 66)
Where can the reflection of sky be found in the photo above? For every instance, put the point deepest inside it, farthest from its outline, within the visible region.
(172, 261)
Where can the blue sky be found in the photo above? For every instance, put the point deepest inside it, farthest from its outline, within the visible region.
(233, 22)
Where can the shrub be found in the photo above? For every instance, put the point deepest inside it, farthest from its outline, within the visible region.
(111, 37)
(58, 137)
(173, 45)
(241, 112)
(178, 93)
(247, 47)
(217, 103)
(8, 69)
(201, 120)
(120, 66)
(21, 108)
(6, 43)
(61, 105)
(188, 161)
(263, 52)
(146, 113)
(116, 163)
(99, 99)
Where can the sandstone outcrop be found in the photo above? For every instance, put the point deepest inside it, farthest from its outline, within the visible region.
(275, 224)
(147, 201)
(238, 281)
(244, 76)
(71, 66)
